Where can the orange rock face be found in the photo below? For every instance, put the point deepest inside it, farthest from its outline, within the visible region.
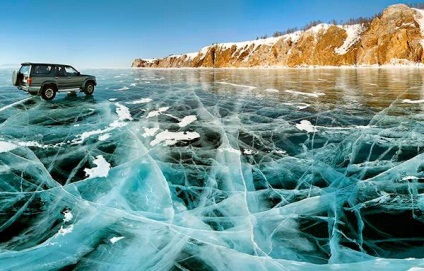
(394, 37)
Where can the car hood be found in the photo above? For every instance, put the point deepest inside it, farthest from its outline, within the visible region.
(86, 75)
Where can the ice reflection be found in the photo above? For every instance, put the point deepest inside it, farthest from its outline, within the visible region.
(216, 170)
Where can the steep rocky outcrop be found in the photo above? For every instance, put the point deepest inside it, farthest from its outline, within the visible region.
(394, 37)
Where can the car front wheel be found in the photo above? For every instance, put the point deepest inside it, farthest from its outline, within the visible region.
(89, 89)
(48, 93)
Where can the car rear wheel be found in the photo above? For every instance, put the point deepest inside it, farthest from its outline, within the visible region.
(48, 93)
(89, 88)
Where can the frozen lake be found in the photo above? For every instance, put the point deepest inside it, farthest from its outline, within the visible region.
(309, 169)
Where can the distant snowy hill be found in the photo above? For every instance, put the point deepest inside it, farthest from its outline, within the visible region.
(9, 66)
(395, 37)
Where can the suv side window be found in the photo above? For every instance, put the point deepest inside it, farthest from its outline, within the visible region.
(41, 70)
(59, 71)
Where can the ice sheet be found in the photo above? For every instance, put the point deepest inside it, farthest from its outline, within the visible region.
(193, 172)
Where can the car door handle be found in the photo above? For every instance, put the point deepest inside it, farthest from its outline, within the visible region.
(56, 77)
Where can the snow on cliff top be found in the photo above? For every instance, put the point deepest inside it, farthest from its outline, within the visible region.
(188, 55)
(294, 37)
(149, 60)
(353, 36)
(243, 44)
(318, 28)
(267, 41)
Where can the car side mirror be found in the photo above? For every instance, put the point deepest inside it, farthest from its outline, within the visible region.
(78, 73)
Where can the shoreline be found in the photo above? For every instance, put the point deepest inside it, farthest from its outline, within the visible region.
(386, 66)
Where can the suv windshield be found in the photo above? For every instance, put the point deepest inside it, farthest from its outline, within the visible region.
(70, 71)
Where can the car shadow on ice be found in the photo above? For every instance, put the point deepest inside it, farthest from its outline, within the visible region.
(70, 100)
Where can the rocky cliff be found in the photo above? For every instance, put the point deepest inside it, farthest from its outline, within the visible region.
(397, 36)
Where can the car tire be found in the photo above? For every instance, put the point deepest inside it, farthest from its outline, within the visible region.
(89, 88)
(48, 92)
(15, 78)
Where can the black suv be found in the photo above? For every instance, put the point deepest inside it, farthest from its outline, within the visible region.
(46, 79)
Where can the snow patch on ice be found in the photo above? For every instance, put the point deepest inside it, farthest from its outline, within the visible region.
(37, 144)
(236, 85)
(187, 120)
(124, 88)
(141, 101)
(123, 112)
(104, 137)
(67, 216)
(409, 178)
(7, 146)
(150, 132)
(248, 152)
(156, 113)
(113, 240)
(306, 125)
(171, 138)
(101, 170)
(64, 231)
(88, 134)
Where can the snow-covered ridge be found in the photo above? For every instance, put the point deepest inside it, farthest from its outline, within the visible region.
(317, 46)
(256, 43)
(353, 36)
(188, 55)
(293, 37)
(150, 60)
(253, 44)
(318, 28)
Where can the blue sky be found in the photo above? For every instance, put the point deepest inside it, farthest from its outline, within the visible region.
(112, 33)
